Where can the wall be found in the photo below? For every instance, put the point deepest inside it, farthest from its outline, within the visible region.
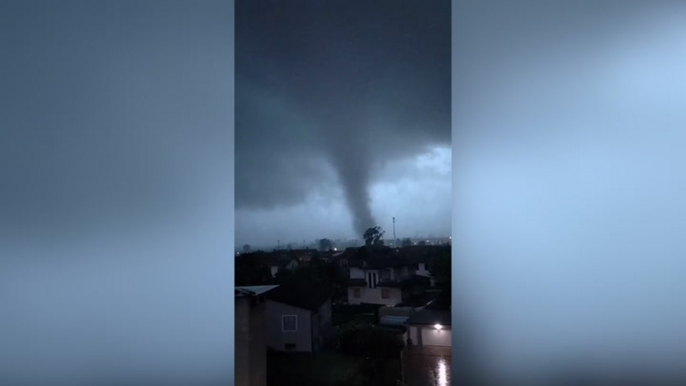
(326, 321)
(386, 274)
(434, 337)
(258, 343)
(423, 271)
(250, 343)
(242, 341)
(412, 331)
(278, 338)
(356, 273)
(293, 264)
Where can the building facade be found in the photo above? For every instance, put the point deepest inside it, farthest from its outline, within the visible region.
(430, 328)
(299, 319)
(251, 335)
(387, 286)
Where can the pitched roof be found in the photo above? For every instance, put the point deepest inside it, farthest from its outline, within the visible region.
(301, 295)
(253, 290)
(418, 300)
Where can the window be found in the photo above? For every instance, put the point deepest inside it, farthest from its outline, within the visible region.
(356, 292)
(289, 323)
(289, 346)
(385, 293)
(372, 279)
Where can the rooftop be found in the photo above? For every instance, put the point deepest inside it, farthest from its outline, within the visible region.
(301, 295)
(254, 290)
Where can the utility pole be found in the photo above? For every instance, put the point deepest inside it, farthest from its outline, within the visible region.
(395, 240)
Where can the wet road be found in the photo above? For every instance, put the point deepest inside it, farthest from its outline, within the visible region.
(427, 367)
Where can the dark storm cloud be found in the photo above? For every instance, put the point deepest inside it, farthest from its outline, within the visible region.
(355, 83)
(568, 208)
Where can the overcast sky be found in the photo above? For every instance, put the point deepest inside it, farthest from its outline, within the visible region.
(569, 187)
(116, 193)
(342, 119)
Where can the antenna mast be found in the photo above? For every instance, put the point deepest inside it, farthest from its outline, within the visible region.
(395, 240)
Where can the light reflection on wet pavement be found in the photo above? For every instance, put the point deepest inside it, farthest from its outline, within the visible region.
(427, 367)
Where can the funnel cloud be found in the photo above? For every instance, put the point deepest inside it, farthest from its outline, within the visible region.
(353, 175)
(329, 96)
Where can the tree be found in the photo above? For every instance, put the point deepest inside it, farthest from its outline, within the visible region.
(422, 242)
(373, 236)
(250, 272)
(406, 242)
(325, 244)
(325, 275)
(246, 248)
(442, 272)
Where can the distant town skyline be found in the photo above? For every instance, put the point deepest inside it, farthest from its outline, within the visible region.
(340, 243)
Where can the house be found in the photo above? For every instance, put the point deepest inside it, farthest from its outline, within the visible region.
(429, 346)
(387, 280)
(299, 318)
(251, 335)
(430, 327)
(340, 258)
(276, 261)
(304, 255)
(395, 316)
(390, 276)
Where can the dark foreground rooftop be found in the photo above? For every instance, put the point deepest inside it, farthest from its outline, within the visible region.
(301, 295)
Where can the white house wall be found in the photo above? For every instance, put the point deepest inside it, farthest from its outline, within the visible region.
(422, 271)
(413, 335)
(302, 338)
(356, 273)
(433, 337)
